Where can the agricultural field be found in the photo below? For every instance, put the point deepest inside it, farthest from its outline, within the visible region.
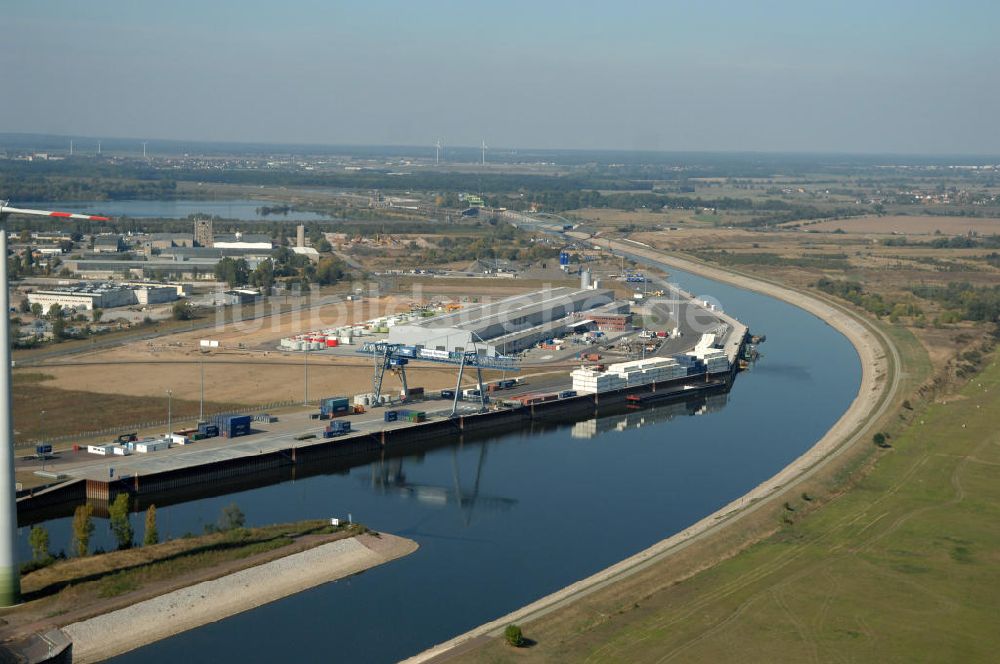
(906, 225)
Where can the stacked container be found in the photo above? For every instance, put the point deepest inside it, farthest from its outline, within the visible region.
(234, 426)
(206, 430)
(337, 428)
(409, 415)
(335, 406)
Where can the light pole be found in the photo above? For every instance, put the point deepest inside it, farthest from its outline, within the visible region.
(10, 573)
(305, 366)
(201, 405)
(170, 395)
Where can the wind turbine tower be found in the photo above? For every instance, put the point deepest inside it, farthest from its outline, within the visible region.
(144, 149)
(10, 571)
(98, 147)
(484, 152)
(437, 152)
(71, 147)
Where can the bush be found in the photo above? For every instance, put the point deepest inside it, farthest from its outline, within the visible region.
(232, 517)
(879, 439)
(513, 636)
(183, 310)
(39, 540)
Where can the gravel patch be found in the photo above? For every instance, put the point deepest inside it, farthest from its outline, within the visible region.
(117, 632)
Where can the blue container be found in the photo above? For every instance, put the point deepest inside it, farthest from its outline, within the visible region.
(391, 416)
(235, 425)
(564, 258)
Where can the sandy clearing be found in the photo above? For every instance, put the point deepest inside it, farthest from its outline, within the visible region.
(868, 404)
(120, 631)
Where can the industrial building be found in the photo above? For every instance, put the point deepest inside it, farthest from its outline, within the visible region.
(102, 296)
(242, 241)
(203, 232)
(152, 269)
(108, 244)
(168, 240)
(607, 321)
(509, 325)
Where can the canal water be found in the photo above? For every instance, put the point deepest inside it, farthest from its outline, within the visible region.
(504, 521)
(242, 209)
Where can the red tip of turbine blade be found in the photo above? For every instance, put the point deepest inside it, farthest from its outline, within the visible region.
(97, 218)
(60, 214)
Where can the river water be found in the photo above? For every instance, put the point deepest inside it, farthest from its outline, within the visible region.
(504, 521)
(242, 209)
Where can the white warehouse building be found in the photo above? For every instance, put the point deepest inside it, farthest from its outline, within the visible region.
(102, 296)
(514, 323)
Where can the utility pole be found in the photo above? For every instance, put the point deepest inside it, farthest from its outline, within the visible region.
(170, 396)
(305, 367)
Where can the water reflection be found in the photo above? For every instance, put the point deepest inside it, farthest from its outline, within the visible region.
(656, 415)
(388, 477)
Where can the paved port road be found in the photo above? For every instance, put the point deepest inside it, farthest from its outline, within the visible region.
(267, 438)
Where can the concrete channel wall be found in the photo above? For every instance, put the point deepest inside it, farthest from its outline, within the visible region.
(277, 465)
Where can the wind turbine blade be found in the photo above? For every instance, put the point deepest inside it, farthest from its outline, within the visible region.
(50, 213)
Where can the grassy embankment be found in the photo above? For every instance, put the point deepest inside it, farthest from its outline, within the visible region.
(902, 567)
(80, 587)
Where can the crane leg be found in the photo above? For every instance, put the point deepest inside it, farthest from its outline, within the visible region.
(458, 388)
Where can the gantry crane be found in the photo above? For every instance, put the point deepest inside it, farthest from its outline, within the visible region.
(395, 357)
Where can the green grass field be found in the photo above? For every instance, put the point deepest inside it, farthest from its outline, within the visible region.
(904, 567)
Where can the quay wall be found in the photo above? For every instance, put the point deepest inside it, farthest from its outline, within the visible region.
(303, 458)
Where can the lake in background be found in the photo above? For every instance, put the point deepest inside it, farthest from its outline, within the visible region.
(242, 209)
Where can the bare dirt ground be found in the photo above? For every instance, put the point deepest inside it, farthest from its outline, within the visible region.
(256, 374)
(239, 378)
(911, 225)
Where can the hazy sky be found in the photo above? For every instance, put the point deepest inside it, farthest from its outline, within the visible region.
(877, 76)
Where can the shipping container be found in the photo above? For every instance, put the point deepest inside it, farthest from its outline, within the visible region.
(338, 427)
(235, 425)
(391, 416)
